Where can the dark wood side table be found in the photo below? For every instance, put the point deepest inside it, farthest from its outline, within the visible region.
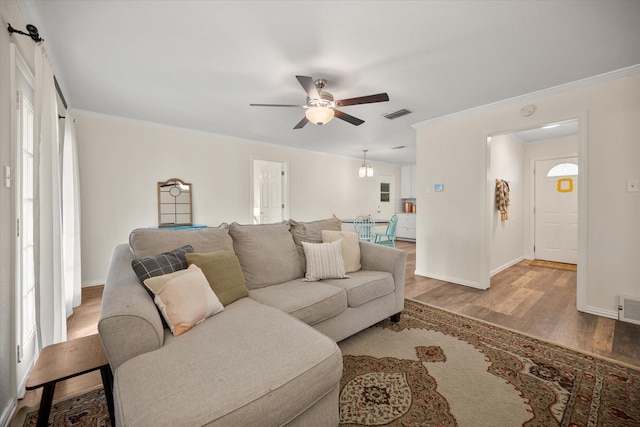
(66, 360)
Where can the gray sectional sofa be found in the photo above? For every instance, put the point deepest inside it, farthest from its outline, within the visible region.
(268, 359)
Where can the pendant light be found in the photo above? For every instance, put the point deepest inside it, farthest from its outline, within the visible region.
(365, 169)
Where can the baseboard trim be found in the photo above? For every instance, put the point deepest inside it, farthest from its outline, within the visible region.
(601, 312)
(454, 280)
(89, 283)
(505, 266)
(8, 412)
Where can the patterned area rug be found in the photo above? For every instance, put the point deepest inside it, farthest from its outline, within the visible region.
(435, 368)
(89, 409)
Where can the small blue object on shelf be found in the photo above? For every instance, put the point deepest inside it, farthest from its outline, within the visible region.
(179, 227)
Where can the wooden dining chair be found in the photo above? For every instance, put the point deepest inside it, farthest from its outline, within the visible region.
(364, 225)
(388, 238)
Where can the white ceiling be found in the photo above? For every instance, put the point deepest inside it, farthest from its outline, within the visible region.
(199, 64)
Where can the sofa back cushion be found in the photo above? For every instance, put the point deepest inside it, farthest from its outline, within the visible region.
(267, 253)
(145, 242)
(311, 232)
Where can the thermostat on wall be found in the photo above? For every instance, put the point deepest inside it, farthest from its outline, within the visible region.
(439, 187)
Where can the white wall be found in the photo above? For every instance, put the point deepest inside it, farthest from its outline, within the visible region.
(453, 227)
(122, 160)
(506, 162)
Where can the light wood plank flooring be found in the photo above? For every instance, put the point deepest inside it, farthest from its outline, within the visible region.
(537, 301)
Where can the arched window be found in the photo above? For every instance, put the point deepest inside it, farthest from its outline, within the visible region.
(563, 169)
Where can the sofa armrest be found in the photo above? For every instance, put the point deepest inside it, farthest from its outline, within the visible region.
(129, 323)
(384, 258)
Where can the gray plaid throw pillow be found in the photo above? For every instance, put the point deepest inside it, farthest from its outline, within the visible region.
(164, 263)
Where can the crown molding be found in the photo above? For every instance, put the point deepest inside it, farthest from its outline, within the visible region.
(589, 81)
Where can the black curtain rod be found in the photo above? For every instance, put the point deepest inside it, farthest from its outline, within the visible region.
(64, 101)
(32, 32)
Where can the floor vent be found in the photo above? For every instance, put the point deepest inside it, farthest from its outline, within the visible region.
(396, 114)
(629, 309)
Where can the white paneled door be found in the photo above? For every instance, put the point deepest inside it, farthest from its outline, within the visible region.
(269, 197)
(556, 210)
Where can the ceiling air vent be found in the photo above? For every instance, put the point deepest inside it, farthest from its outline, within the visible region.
(396, 114)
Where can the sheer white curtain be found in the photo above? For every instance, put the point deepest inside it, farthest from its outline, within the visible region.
(49, 274)
(71, 216)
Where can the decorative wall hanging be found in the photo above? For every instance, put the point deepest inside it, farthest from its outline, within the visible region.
(174, 203)
(502, 198)
(565, 185)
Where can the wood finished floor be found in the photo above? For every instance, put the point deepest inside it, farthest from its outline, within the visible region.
(537, 301)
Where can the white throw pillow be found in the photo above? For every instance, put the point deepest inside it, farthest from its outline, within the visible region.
(350, 247)
(324, 261)
(184, 298)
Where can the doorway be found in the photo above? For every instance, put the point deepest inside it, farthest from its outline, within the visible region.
(23, 183)
(514, 157)
(270, 195)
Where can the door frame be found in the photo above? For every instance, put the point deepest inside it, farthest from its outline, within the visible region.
(286, 211)
(489, 204)
(18, 65)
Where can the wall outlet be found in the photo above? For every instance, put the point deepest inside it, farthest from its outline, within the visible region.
(632, 186)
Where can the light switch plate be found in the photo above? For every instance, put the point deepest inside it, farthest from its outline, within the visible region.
(632, 185)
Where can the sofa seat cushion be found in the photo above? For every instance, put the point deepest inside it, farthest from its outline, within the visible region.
(236, 368)
(310, 302)
(364, 286)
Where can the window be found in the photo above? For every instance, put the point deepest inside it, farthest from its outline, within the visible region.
(563, 169)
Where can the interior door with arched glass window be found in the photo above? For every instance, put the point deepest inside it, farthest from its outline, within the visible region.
(556, 210)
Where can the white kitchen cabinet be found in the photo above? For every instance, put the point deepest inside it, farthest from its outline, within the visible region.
(408, 184)
(406, 228)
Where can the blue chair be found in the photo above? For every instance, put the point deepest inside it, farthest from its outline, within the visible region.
(388, 238)
(364, 226)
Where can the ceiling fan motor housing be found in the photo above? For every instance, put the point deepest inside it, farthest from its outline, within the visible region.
(325, 100)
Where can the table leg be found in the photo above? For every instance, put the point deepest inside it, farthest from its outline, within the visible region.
(45, 404)
(107, 382)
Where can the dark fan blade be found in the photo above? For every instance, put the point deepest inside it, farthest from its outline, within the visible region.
(307, 84)
(276, 105)
(347, 118)
(380, 97)
(301, 123)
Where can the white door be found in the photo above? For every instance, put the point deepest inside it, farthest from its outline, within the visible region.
(268, 194)
(385, 196)
(556, 210)
(23, 183)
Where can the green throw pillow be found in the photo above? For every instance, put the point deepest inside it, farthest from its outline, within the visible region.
(222, 270)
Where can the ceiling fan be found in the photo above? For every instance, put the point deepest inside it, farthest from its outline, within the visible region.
(321, 108)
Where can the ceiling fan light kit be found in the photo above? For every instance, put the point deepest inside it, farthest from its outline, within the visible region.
(321, 108)
(319, 115)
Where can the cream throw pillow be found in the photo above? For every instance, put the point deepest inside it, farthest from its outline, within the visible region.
(324, 261)
(350, 247)
(184, 298)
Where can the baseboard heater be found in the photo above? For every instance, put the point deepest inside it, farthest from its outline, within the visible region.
(629, 309)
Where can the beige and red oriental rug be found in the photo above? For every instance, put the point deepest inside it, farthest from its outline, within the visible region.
(436, 368)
